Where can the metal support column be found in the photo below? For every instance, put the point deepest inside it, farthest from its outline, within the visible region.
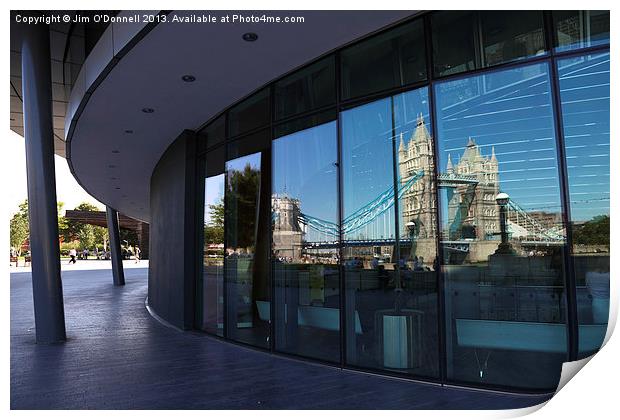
(114, 233)
(43, 214)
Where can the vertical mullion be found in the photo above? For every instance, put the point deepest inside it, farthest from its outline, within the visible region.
(548, 32)
(271, 279)
(569, 274)
(397, 279)
(341, 274)
(478, 47)
(478, 40)
(572, 323)
(441, 315)
(199, 239)
(226, 209)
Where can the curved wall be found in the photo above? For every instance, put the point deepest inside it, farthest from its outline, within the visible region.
(173, 256)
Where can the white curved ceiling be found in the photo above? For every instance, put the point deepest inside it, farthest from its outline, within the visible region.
(226, 69)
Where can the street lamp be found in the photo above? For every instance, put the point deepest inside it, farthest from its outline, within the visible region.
(504, 247)
(411, 229)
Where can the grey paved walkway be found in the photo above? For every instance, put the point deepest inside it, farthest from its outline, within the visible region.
(118, 356)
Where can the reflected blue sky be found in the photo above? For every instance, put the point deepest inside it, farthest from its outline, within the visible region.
(304, 168)
(584, 90)
(511, 111)
(367, 164)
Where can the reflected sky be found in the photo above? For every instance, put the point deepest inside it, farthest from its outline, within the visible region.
(511, 111)
(304, 168)
(584, 90)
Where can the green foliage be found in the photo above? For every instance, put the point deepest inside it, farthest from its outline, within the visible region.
(217, 214)
(20, 229)
(214, 230)
(62, 221)
(88, 236)
(130, 236)
(241, 207)
(592, 232)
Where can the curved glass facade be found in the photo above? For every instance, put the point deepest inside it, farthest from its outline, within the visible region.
(430, 203)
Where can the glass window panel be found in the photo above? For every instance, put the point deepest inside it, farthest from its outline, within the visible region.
(502, 255)
(305, 243)
(309, 88)
(454, 42)
(250, 114)
(213, 254)
(391, 286)
(584, 90)
(395, 58)
(579, 29)
(215, 132)
(510, 35)
(368, 223)
(302, 123)
(247, 222)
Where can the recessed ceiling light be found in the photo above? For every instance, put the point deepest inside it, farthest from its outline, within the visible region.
(249, 36)
(188, 78)
(148, 110)
(128, 131)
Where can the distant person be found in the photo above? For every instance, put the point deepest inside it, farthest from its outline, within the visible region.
(137, 252)
(72, 255)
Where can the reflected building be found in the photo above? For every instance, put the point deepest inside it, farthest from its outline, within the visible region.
(472, 209)
(471, 184)
(287, 231)
(419, 201)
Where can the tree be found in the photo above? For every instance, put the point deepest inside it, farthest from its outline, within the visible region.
(86, 236)
(89, 236)
(214, 230)
(242, 206)
(62, 221)
(592, 232)
(20, 230)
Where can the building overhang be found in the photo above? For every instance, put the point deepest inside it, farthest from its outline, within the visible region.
(113, 146)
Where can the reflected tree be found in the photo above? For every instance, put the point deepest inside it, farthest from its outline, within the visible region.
(592, 232)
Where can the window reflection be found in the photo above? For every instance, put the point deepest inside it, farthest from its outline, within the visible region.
(502, 233)
(584, 89)
(390, 283)
(307, 89)
(213, 256)
(246, 261)
(510, 35)
(454, 42)
(492, 196)
(305, 243)
(249, 114)
(579, 29)
(212, 287)
(394, 58)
